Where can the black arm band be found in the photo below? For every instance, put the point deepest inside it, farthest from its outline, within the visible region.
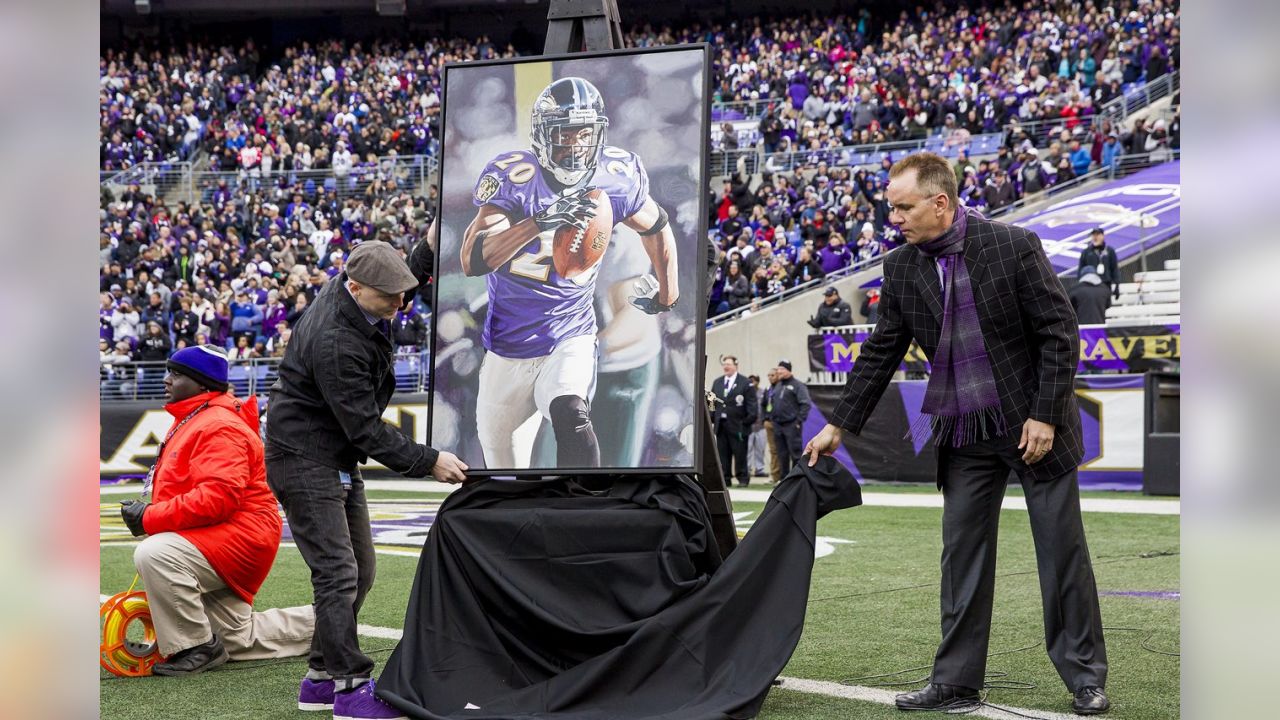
(422, 262)
(478, 265)
(657, 226)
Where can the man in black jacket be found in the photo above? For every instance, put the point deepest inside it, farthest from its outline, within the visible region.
(833, 312)
(982, 300)
(1100, 258)
(324, 419)
(791, 405)
(409, 329)
(734, 416)
(1000, 191)
(154, 349)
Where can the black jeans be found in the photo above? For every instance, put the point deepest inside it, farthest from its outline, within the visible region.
(330, 525)
(974, 478)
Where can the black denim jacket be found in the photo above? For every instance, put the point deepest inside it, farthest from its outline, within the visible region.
(336, 379)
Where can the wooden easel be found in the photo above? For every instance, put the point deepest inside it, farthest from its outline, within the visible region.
(589, 25)
(582, 25)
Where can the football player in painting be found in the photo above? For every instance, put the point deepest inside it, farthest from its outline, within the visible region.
(540, 329)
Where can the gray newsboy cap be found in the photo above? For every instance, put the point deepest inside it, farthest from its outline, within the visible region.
(378, 265)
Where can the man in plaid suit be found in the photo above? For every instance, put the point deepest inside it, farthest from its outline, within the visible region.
(982, 300)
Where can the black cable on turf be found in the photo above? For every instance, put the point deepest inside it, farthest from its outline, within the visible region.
(982, 702)
(993, 680)
(997, 675)
(1144, 644)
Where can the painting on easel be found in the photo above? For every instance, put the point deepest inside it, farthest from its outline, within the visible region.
(569, 310)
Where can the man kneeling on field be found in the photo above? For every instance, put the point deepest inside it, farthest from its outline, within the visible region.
(213, 528)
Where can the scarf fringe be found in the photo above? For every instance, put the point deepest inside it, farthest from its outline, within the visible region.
(960, 430)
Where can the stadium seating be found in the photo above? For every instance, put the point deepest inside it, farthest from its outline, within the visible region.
(1153, 298)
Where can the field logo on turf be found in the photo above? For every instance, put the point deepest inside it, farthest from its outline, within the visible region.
(397, 523)
(823, 547)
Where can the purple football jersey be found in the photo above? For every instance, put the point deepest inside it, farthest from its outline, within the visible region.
(531, 308)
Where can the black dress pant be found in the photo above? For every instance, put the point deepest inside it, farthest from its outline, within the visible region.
(973, 484)
(733, 447)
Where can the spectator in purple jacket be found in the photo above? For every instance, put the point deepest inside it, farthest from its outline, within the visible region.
(835, 255)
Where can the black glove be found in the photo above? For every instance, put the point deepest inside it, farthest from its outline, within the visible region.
(572, 209)
(131, 511)
(651, 305)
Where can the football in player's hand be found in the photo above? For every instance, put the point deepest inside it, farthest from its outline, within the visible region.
(574, 250)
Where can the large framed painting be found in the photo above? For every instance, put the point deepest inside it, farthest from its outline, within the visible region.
(569, 307)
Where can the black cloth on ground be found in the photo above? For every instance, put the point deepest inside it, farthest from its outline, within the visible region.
(542, 599)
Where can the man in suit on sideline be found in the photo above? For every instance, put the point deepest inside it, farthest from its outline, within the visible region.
(983, 302)
(735, 414)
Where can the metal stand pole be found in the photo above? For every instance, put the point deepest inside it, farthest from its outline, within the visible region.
(589, 25)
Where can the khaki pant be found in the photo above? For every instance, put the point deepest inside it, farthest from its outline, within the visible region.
(189, 602)
(775, 467)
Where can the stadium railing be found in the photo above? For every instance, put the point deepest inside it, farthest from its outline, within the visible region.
(160, 179)
(757, 303)
(1118, 110)
(125, 382)
(725, 163)
(1125, 165)
(178, 182)
(412, 173)
(1132, 101)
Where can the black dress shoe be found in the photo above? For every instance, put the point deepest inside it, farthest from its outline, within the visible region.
(936, 696)
(193, 660)
(1090, 701)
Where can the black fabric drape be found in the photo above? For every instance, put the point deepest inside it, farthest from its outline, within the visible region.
(541, 599)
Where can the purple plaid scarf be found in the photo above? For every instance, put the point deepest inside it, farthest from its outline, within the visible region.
(961, 403)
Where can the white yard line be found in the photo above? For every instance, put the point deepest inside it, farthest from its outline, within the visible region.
(885, 697)
(374, 631)
(812, 687)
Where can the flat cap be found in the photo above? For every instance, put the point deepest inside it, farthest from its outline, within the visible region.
(378, 265)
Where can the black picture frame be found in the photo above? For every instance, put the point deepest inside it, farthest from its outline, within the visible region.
(694, 255)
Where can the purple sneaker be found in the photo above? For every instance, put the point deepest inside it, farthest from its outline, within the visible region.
(362, 704)
(315, 695)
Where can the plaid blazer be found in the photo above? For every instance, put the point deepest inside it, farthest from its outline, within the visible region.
(1027, 324)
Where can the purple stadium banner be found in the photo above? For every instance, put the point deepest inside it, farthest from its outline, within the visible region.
(1137, 211)
(1128, 349)
(1111, 417)
(1123, 349)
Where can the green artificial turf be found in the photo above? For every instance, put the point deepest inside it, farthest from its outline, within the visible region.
(873, 610)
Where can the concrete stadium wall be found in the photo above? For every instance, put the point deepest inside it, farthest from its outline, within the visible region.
(778, 331)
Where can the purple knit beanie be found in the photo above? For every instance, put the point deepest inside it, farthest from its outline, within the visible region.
(206, 364)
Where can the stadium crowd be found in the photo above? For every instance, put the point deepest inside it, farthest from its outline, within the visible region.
(1035, 74)
(322, 106)
(237, 267)
(825, 82)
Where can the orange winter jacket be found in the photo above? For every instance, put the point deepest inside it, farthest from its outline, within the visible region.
(211, 488)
